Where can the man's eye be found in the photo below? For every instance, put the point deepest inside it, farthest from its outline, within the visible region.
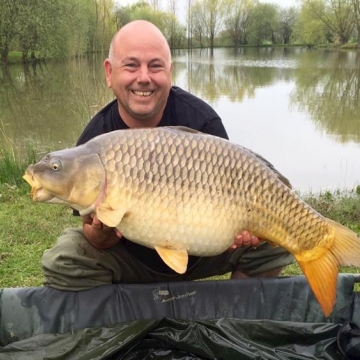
(130, 65)
(156, 66)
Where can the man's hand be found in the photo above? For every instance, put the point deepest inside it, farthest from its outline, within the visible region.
(245, 239)
(99, 235)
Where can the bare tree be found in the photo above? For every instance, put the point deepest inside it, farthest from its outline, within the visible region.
(173, 8)
(189, 23)
(155, 4)
(208, 18)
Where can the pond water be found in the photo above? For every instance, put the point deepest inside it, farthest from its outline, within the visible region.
(297, 107)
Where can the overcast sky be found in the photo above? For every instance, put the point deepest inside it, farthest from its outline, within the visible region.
(283, 3)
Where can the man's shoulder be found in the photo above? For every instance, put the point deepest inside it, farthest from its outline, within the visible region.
(101, 123)
(105, 111)
(191, 111)
(180, 95)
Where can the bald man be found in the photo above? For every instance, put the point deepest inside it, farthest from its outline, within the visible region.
(138, 70)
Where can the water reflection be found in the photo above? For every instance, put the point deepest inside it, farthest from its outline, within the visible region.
(48, 104)
(297, 107)
(330, 93)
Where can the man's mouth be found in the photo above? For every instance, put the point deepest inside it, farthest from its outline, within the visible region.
(142, 93)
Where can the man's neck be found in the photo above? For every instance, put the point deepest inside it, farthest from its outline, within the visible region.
(132, 122)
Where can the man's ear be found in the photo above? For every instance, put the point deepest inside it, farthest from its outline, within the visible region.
(108, 71)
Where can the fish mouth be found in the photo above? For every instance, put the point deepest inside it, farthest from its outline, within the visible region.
(38, 193)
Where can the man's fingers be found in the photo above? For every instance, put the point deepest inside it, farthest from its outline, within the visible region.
(96, 223)
(246, 239)
(118, 233)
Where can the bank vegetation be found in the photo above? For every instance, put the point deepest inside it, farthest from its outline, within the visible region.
(43, 29)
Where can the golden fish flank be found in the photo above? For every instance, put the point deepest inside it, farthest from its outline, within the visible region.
(183, 192)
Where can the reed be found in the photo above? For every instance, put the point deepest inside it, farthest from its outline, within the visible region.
(14, 159)
(13, 165)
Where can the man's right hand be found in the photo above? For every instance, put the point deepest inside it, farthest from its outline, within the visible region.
(99, 235)
(246, 239)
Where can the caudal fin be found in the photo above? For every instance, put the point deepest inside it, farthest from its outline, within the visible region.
(322, 271)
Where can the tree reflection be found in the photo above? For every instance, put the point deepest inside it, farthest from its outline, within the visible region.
(329, 90)
(234, 75)
(48, 105)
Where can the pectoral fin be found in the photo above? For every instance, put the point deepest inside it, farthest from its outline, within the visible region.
(109, 216)
(175, 259)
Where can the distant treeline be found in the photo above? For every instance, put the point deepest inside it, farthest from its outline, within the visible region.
(41, 29)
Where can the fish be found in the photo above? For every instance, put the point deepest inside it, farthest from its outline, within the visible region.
(183, 192)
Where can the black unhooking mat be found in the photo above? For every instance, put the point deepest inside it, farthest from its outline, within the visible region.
(245, 319)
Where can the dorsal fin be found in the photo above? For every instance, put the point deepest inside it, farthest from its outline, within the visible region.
(184, 129)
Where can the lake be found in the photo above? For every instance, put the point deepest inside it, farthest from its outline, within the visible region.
(297, 107)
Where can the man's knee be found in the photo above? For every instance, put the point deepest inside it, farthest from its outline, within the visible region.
(74, 264)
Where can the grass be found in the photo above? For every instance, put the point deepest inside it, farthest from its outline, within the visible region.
(27, 229)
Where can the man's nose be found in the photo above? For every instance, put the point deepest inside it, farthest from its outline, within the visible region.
(143, 75)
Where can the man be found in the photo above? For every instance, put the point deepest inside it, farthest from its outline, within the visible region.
(138, 70)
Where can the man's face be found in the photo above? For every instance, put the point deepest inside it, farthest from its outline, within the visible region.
(139, 74)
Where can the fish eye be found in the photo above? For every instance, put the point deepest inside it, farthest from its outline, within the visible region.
(56, 165)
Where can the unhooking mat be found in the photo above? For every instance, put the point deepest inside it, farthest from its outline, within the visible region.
(233, 319)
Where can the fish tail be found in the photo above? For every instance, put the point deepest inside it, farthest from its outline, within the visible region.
(322, 271)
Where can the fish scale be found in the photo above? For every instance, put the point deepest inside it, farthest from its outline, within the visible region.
(180, 196)
(183, 192)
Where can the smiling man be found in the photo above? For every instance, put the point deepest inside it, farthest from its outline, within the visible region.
(138, 70)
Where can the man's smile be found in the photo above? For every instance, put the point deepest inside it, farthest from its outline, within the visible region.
(142, 93)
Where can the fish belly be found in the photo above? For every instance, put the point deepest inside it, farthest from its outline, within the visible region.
(192, 192)
(198, 228)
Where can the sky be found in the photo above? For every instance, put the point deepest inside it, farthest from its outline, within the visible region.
(182, 5)
(282, 3)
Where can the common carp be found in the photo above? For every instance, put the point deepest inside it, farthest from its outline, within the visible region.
(183, 192)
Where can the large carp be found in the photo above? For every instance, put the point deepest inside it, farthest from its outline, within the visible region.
(183, 192)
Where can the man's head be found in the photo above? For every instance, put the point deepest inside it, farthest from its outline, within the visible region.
(138, 70)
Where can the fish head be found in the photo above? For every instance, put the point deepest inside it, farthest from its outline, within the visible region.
(71, 176)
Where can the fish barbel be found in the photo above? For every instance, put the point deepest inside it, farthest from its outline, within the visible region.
(183, 192)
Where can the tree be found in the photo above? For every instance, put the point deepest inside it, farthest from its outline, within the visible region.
(356, 7)
(265, 22)
(208, 18)
(237, 20)
(287, 23)
(173, 9)
(105, 23)
(166, 22)
(9, 14)
(309, 28)
(336, 15)
(197, 19)
(154, 4)
(189, 23)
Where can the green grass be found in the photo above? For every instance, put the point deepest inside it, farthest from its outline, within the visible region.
(28, 228)
(12, 166)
